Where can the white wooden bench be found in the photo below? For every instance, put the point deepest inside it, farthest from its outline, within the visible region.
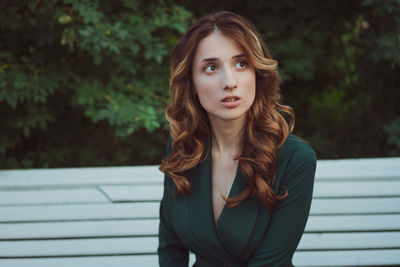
(109, 216)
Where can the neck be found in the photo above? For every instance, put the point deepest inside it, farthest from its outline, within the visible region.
(226, 136)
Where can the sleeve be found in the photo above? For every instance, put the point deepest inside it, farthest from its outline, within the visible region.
(171, 251)
(287, 223)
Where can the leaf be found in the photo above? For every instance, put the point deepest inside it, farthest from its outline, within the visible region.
(64, 19)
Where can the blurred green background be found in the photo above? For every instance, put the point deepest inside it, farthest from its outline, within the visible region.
(85, 83)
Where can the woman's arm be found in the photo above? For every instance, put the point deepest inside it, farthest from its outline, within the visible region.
(289, 220)
(171, 252)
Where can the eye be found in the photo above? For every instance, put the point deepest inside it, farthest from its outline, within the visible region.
(242, 64)
(210, 68)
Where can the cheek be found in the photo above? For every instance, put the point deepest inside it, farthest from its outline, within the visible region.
(250, 84)
(206, 98)
(205, 87)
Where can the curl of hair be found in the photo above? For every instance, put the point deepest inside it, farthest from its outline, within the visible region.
(266, 128)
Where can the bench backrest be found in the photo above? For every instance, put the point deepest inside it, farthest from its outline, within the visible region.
(109, 216)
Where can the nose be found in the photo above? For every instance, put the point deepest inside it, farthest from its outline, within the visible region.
(229, 79)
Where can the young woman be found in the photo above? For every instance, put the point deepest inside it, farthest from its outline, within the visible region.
(238, 185)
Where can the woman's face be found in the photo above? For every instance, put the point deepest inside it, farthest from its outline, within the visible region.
(223, 78)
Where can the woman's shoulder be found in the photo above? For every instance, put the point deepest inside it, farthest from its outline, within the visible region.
(296, 149)
(296, 162)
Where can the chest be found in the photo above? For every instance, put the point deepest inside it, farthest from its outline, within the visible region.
(240, 229)
(223, 174)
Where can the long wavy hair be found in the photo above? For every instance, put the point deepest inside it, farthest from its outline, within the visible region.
(268, 121)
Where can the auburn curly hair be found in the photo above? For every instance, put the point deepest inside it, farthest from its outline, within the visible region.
(268, 121)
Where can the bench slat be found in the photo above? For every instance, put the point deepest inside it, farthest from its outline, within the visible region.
(77, 247)
(78, 229)
(347, 258)
(151, 209)
(305, 258)
(106, 261)
(350, 169)
(355, 205)
(72, 177)
(140, 227)
(146, 245)
(370, 168)
(81, 172)
(322, 189)
(357, 189)
(80, 212)
(31, 197)
(154, 193)
(134, 193)
(363, 240)
(340, 223)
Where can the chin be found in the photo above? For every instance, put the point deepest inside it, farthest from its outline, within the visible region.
(231, 117)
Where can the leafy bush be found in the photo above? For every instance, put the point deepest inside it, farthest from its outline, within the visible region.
(107, 60)
(84, 83)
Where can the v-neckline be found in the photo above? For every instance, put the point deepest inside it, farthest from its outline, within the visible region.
(211, 205)
(224, 236)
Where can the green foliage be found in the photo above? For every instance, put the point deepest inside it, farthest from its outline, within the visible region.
(107, 59)
(84, 83)
(300, 60)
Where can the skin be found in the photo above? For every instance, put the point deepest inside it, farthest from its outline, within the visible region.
(221, 68)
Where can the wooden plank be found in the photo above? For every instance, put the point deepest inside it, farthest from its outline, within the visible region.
(151, 210)
(304, 258)
(146, 245)
(357, 189)
(70, 177)
(363, 240)
(84, 172)
(109, 228)
(347, 258)
(154, 193)
(366, 168)
(323, 189)
(62, 196)
(106, 261)
(134, 193)
(349, 169)
(339, 223)
(79, 247)
(140, 227)
(320, 206)
(80, 212)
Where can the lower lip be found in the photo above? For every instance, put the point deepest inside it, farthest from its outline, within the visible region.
(232, 104)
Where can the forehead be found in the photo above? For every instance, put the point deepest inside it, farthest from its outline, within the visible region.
(217, 45)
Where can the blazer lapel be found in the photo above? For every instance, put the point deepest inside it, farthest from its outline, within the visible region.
(202, 219)
(235, 224)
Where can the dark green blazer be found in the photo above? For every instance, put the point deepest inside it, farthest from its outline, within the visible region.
(248, 234)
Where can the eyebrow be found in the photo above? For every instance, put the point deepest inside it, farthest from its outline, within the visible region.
(214, 58)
